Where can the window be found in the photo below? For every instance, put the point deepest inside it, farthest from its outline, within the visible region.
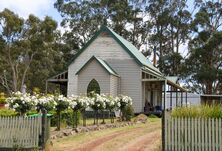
(93, 86)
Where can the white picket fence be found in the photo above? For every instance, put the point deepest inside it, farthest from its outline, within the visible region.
(20, 131)
(193, 134)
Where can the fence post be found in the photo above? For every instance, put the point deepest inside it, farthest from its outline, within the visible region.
(44, 124)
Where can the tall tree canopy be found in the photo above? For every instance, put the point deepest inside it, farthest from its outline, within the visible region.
(204, 64)
(26, 50)
(164, 26)
(84, 18)
(33, 49)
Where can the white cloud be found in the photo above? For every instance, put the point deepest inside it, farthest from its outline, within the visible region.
(23, 8)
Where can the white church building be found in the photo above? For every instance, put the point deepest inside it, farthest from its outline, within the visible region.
(112, 65)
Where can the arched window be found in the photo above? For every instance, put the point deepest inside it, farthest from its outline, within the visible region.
(93, 86)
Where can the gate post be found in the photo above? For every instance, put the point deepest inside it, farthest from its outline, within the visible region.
(44, 124)
(163, 116)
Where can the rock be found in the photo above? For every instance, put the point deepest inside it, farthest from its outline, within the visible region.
(78, 130)
(66, 132)
(59, 135)
(73, 132)
(141, 118)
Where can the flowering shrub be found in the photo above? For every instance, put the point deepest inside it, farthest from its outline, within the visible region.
(73, 102)
(46, 102)
(111, 103)
(124, 101)
(22, 102)
(98, 102)
(62, 103)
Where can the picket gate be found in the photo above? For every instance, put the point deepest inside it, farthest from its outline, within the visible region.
(20, 131)
(193, 134)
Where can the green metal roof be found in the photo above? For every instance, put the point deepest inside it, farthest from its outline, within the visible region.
(126, 45)
(103, 63)
(138, 55)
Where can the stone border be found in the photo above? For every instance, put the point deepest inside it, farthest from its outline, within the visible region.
(91, 128)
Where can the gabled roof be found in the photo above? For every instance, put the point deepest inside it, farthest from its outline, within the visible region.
(130, 49)
(103, 63)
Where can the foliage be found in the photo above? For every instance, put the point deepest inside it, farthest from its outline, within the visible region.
(61, 103)
(98, 102)
(124, 101)
(204, 111)
(7, 112)
(85, 17)
(2, 98)
(127, 112)
(71, 107)
(203, 66)
(28, 56)
(67, 118)
(46, 102)
(153, 116)
(22, 102)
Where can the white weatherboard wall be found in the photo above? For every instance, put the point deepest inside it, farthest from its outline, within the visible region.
(108, 49)
(130, 80)
(93, 70)
(114, 85)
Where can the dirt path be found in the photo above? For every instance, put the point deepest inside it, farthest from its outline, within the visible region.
(147, 142)
(93, 144)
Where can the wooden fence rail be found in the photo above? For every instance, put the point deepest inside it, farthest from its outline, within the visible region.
(193, 134)
(23, 132)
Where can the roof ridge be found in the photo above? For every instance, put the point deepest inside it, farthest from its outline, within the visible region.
(102, 63)
(139, 55)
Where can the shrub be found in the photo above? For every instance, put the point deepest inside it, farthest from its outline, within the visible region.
(204, 111)
(153, 116)
(66, 118)
(128, 112)
(2, 98)
(31, 112)
(7, 112)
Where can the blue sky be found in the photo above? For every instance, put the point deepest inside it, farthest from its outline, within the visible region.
(23, 8)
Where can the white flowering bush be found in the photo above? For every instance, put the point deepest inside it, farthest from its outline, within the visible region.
(124, 101)
(62, 103)
(111, 103)
(98, 102)
(73, 99)
(125, 105)
(22, 102)
(84, 102)
(46, 102)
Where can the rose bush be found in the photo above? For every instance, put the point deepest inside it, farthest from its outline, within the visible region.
(22, 103)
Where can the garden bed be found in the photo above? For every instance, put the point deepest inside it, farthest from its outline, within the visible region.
(82, 129)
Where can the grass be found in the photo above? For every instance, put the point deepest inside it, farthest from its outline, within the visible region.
(203, 111)
(68, 143)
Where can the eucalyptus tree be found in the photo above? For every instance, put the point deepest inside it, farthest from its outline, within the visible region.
(23, 42)
(170, 23)
(204, 64)
(84, 18)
